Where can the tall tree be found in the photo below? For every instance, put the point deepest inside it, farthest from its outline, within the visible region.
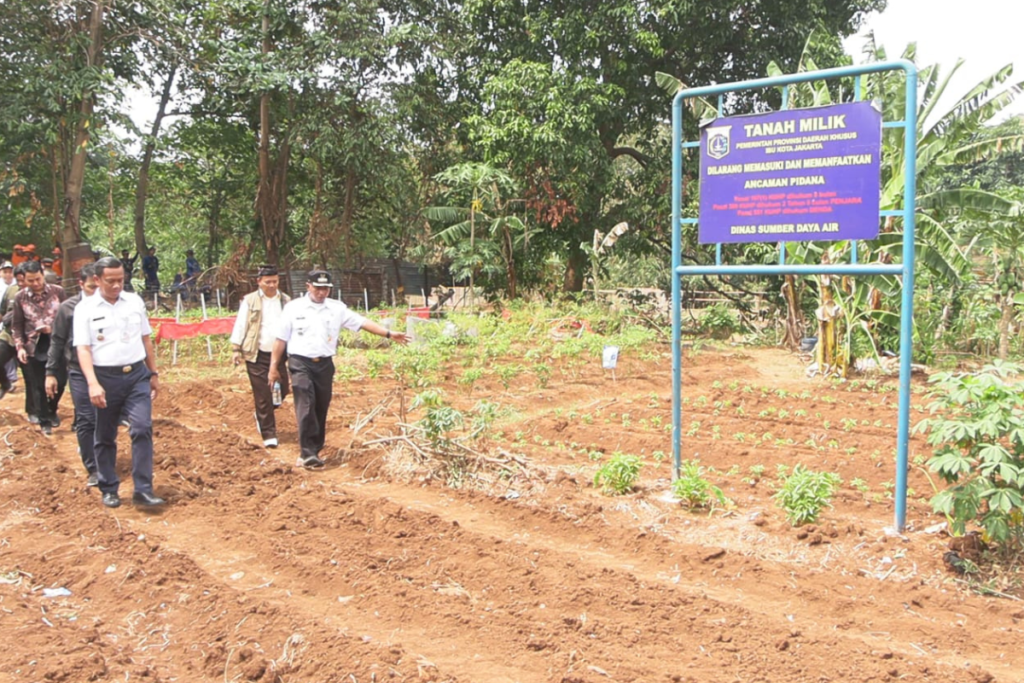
(567, 86)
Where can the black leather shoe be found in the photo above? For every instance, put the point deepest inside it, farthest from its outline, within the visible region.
(146, 499)
(313, 463)
(93, 480)
(111, 500)
(46, 429)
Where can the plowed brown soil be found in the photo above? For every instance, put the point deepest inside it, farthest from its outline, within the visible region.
(374, 569)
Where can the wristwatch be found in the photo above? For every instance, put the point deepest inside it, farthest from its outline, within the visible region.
(388, 335)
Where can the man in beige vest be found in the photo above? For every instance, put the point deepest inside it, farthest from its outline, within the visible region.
(252, 340)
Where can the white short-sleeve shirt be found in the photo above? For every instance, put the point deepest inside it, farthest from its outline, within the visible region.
(312, 329)
(113, 330)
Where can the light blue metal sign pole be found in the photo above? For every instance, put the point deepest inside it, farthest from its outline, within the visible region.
(905, 269)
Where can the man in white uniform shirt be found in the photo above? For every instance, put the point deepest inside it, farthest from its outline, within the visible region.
(111, 333)
(309, 333)
(252, 340)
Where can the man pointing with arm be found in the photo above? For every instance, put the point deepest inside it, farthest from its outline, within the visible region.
(309, 333)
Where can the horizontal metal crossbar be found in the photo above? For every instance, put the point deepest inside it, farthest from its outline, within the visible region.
(801, 269)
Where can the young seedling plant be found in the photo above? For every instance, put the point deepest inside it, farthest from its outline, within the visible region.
(804, 493)
(619, 475)
(694, 491)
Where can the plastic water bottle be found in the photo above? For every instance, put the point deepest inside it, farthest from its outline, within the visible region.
(276, 394)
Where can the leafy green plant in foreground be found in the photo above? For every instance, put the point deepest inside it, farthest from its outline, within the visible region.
(619, 474)
(694, 490)
(977, 430)
(805, 493)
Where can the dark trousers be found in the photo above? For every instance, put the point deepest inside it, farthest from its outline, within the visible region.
(85, 418)
(311, 389)
(128, 397)
(258, 374)
(40, 405)
(7, 352)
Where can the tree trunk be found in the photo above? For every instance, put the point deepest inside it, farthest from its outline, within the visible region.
(142, 189)
(213, 226)
(348, 212)
(575, 266)
(55, 176)
(272, 194)
(1005, 323)
(72, 231)
(794, 317)
(510, 262)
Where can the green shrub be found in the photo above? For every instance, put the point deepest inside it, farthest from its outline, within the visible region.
(718, 322)
(978, 439)
(805, 493)
(694, 490)
(619, 474)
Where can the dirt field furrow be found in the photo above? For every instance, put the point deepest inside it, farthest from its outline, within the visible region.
(374, 569)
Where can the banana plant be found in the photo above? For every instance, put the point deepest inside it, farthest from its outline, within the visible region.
(944, 138)
(602, 243)
(492, 249)
(993, 225)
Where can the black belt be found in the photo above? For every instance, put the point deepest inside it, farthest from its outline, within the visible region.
(120, 369)
(317, 359)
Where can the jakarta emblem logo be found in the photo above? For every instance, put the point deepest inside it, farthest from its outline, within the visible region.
(719, 142)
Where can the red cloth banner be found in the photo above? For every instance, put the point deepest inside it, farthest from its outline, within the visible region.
(166, 328)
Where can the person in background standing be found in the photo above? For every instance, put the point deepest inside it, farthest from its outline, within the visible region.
(8, 354)
(18, 256)
(35, 309)
(49, 274)
(150, 269)
(309, 333)
(252, 340)
(62, 366)
(192, 271)
(112, 335)
(58, 261)
(6, 277)
(129, 269)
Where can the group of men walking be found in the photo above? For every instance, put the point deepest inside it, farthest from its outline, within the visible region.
(292, 343)
(98, 344)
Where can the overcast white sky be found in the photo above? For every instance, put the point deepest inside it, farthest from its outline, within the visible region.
(987, 34)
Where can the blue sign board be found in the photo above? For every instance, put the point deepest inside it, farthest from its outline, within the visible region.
(796, 175)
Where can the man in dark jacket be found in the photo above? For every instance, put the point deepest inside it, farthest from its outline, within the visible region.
(62, 361)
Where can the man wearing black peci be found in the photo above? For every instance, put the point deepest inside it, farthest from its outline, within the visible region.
(111, 331)
(252, 340)
(309, 333)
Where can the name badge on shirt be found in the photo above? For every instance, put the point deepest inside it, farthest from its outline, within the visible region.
(99, 334)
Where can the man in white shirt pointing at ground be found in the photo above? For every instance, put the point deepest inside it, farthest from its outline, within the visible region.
(309, 333)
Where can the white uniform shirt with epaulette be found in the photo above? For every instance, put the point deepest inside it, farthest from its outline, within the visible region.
(312, 329)
(113, 330)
